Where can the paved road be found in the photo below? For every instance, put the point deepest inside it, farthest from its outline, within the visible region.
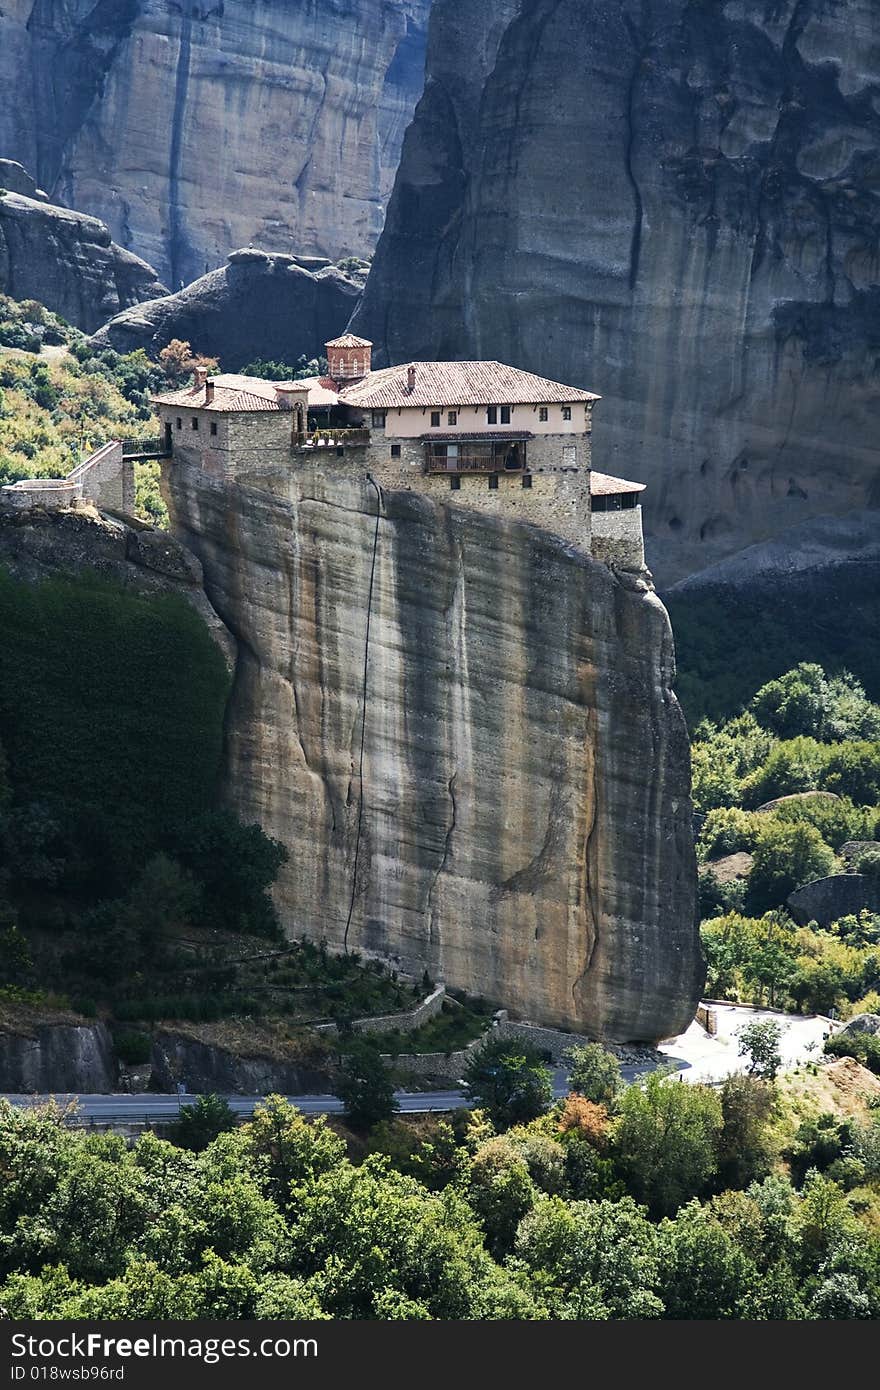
(697, 1057)
(124, 1109)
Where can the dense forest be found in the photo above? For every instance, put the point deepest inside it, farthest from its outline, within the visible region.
(656, 1201)
(787, 792)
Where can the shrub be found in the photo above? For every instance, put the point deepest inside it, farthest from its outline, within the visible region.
(134, 1049)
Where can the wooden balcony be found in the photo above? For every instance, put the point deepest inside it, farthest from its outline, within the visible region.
(468, 456)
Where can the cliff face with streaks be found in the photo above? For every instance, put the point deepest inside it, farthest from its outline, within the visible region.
(195, 126)
(673, 203)
(509, 805)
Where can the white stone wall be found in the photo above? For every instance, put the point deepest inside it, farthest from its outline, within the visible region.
(409, 423)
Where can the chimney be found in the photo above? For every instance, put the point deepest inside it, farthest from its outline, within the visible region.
(209, 391)
(201, 376)
(410, 379)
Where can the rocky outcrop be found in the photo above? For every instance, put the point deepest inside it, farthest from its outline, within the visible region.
(37, 543)
(68, 262)
(15, 179)
(194, 127)
(826, 900)
(862, 1023)
(205, 1067)
(57, 1057)
(260, 305)
(676, 205)
(502, 796)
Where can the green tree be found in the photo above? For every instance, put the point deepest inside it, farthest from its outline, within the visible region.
(759, 1041)
(235, 865)
(365, 1085)
(594, 1073)
(744, 1147)
(597, 1259)
(500, 1191)
(664, 1147)
(199, 1124)
(785, 857)
(704, 1274)
(289, 1150)
(509, 1080)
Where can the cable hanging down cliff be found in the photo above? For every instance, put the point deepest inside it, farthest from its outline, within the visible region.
(360, 817)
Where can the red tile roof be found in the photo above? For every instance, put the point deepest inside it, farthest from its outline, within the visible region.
(604, 485)
(450, 384)
(348, 340)
(232, 393)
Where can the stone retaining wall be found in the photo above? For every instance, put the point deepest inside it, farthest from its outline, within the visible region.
(388, 1023)
(104, 478)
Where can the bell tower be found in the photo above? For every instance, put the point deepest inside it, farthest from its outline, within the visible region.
(349, 357)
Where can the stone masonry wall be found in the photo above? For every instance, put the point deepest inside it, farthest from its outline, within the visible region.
(402, 1023)
(558, 500)
(105, 479)
(616, 538)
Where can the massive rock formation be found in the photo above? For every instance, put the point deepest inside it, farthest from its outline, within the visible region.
(674, 204)
(196, 126)
(67, 261)
(258, 306)
(500, 792)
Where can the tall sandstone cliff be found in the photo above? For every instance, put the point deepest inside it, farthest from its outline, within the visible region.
(195, 126)
(522, 827)
(673, 203)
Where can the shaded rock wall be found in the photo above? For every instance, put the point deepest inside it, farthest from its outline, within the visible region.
(827, 899)
(68, 262)
(205, 1068)
(193, 126)
(525, 826)
(257, 306)
(58, 1057)
(674, 204)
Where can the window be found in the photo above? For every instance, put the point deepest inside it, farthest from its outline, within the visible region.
(629, 499)
(505, 415)
(542, 413)
(395, 451)
(452, 417)
(435, 419)
(195, 422)
(491, 415)
(378, 419)
(493, 482)
(179, 423)
(527, 480)
(566, 412)
(213, 426)
(455, 484)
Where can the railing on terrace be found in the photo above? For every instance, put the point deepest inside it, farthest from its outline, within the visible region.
(473, 463)
(333, 439)
(155, 448)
